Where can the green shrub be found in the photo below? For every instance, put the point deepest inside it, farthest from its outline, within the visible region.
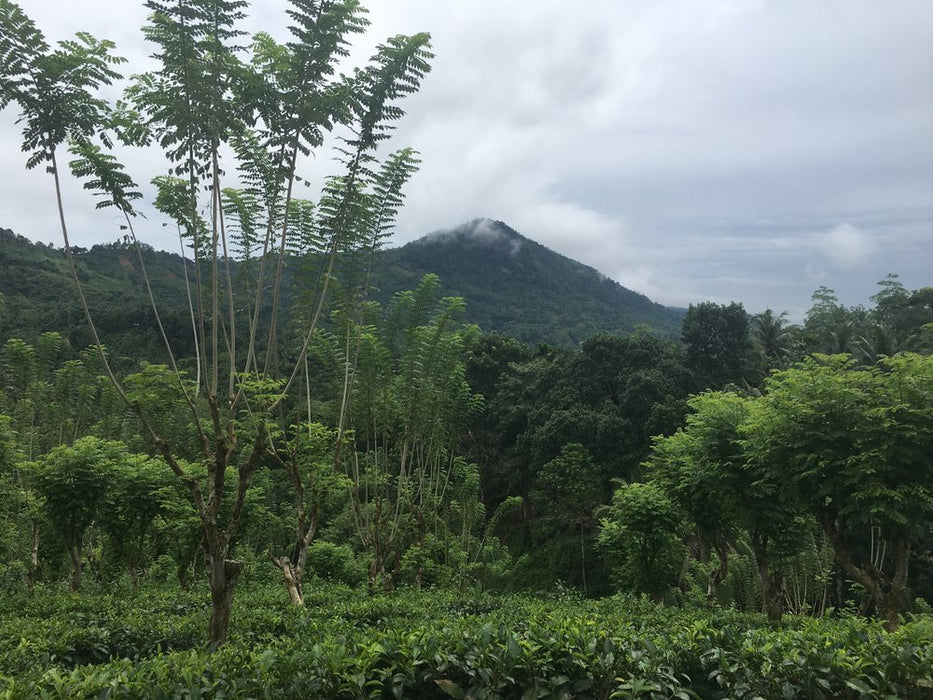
(336, 562)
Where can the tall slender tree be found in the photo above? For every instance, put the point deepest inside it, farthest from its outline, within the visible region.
(204, 105)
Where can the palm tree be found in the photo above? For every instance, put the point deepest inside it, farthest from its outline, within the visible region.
(883, 341)
(772, 341)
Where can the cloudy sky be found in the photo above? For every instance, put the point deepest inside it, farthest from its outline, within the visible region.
(717, 150)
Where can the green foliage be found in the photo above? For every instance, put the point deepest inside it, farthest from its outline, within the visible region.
(39, 296)
(52, 87)
(201, 104)
(408, 401)
(337, 563)
(568, 488)
(774, 344)
(445, 645)
(894, 325)
(851, 442)
(715, 337)
(851, 447)
(107, 177)
(609, 398)
(829, 326)
(140, 490)
(74, 481)
(12, 502)
(161, 394)
(639, 534)
(242, 437)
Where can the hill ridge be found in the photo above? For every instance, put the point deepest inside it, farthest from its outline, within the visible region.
(511, 284)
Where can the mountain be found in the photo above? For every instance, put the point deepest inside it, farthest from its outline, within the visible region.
(518, 287)
(510, 283)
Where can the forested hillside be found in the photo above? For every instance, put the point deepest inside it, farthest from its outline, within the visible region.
(517, 287)
(37, 295)
(511, 284)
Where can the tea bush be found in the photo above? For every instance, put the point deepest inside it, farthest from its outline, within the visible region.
(440, 644)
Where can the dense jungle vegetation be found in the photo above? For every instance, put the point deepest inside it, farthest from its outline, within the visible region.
(409, 506)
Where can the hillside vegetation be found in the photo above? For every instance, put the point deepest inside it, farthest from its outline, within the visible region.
(511, 285)
(519, 288)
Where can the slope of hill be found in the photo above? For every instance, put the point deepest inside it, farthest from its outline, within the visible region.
(38, 295)
(518, 287)
(511, 285)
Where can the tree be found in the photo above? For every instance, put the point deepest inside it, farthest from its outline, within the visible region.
(896, 323)
(698, 466)
(408, 403)
(12, 496)
(639, 535)
(829, 326)
(73, 482)
(491, 358)
(891, 301)
(202, 106)
(609, 397)
(851, 447)
(566, 493)
(137, 493)
(715, 337)
(52, 401)
(705, 470)
(772, 342)
(308, 462)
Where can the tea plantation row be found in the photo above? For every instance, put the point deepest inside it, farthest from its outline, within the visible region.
(440, 644)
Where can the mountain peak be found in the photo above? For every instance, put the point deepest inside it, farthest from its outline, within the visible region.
(479, 232)
(519, 287)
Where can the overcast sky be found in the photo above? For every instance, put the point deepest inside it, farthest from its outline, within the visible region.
(717, 150)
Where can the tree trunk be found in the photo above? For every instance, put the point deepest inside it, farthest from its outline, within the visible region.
(717, 575)
(888, 594)
(74, 550)
(889, 607)
(291, 575)
(224, 576)
(134, 576)
(377, 571)
(772, 582)
(92, 560)
(33, 556)
(773, 594)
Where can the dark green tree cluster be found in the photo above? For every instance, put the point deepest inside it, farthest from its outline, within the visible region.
(372, 482)
(429, 455)
(559, 427)
(899, 321)
(68, 485)
(830, 451)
